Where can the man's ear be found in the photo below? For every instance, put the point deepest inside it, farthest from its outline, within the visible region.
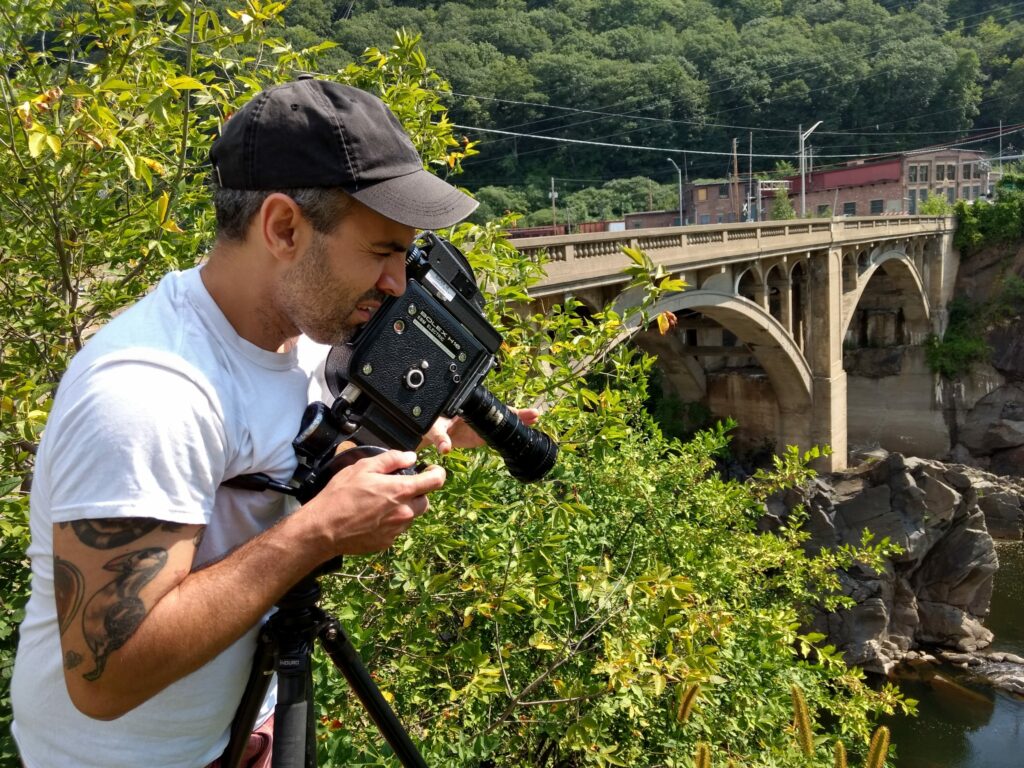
(282, 227)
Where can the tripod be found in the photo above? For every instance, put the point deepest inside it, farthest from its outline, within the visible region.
(285, 645)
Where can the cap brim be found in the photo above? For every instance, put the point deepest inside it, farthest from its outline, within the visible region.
(419, 199)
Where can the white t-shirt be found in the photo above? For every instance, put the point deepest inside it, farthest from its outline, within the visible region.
(160, 407)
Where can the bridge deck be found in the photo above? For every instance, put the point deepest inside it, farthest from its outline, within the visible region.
(594, 259)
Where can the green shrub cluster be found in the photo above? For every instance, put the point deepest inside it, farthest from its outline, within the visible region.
(621, 613)
(964, 343)
(981, 223)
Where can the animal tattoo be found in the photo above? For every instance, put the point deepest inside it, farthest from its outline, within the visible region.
(114, 613)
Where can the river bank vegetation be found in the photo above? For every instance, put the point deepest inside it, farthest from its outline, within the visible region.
(995, 227)
(626, 612)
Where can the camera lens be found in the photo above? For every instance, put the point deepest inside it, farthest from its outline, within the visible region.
(529, 454)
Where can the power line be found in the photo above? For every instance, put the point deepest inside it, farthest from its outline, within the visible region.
(673, 150)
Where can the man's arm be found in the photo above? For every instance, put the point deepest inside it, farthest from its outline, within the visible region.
(134, 618)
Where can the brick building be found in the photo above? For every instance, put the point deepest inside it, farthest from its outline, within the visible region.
(896, 184)
(717, 201)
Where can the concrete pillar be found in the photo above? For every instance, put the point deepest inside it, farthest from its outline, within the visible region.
(941, 262)
(825, 355)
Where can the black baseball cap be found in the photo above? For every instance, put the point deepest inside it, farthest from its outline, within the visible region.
(318, 133)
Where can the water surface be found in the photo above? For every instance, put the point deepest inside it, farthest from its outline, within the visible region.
(972, 727)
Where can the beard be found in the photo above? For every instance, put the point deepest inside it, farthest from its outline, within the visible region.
(318, 303)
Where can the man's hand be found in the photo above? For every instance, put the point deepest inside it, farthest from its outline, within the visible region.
(456, 433)
(366, 506)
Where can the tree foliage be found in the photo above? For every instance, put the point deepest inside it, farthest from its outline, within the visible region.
(621, 613)
(782, 206)
(695, 74)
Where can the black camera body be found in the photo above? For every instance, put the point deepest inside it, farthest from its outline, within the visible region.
(421, 356)
(422, 353)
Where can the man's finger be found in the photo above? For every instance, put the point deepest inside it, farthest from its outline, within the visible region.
(389, 462)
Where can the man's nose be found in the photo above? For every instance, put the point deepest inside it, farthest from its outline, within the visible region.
(392, 279)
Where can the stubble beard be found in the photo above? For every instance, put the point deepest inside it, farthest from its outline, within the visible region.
(319, 306)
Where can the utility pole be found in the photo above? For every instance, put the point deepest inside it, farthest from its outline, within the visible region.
(750, 178)
(803, 166)
(1000, 149)
(679, 173)
(554, 196)
(735, 182)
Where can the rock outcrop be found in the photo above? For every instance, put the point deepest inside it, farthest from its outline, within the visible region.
(935, 594)
(992, 433)
(985, 407)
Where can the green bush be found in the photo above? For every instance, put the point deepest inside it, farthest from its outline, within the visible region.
(964, 342)
(981, 223)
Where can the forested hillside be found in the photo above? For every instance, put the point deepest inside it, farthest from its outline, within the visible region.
(693, 75)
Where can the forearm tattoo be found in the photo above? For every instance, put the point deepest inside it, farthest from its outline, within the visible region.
(113, 532)
(114, 613)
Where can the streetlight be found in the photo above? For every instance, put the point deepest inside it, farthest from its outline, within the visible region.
(803, 167)
(680, 174)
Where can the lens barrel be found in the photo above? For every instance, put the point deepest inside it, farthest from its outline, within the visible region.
(529, 454)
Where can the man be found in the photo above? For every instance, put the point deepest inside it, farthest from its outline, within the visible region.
(150, 578)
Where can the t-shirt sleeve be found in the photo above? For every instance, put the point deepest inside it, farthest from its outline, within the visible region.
(136, 439)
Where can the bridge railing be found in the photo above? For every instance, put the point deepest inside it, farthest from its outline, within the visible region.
(596, 258)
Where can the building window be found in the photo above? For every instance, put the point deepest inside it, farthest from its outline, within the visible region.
(940, 173)
(922, 195)
(721, 218)
(951, 172)
(849, 209)
(877, 206)
(951, 195)
(967, 171)
(702, 196)
(912, 173)
(922, 174)
(822, 211)
(723, 190)
(965, 193)
(705, 218)
(977, 192)
(912, 200)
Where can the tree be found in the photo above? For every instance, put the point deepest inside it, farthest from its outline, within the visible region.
(935, 205)
(782, 207)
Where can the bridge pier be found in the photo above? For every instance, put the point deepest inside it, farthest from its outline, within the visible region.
(825, 356)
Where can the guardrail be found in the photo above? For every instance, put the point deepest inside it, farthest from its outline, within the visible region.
(592, 256)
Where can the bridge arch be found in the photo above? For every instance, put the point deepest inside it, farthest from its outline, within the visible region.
(902, 269)
(764, 336)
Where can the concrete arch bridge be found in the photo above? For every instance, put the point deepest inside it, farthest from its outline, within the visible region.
(772, 313)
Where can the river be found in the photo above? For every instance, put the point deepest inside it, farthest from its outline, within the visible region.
(984, 729)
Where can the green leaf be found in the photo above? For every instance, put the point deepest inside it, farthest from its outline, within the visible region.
(184, 83)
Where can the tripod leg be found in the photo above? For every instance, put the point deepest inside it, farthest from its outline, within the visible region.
(252, 699)
(341, 651)
(294, 722)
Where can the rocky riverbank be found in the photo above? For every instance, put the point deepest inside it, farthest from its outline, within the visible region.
(929, 604)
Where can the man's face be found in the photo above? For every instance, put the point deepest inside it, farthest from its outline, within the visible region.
(342, 278)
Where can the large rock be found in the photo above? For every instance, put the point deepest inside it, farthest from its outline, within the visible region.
(936, 592)
(1007, 343)
(996, 422)
(999, 497)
